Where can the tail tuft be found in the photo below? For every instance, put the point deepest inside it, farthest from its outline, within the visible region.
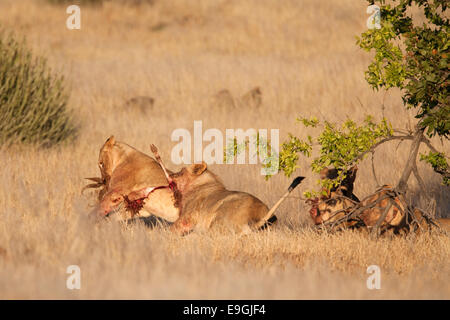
(295, 183)
(273, 219)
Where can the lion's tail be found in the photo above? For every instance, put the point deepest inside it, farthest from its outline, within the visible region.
(269, 214)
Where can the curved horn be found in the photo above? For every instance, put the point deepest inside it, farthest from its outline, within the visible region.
(99, 182)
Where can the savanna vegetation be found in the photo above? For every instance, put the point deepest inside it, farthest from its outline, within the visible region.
(33, 99)
(304, 58)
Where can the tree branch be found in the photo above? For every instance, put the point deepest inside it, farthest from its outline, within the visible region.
(430, 146)
(420, 180)
(376, 145)
(373, 170)
(402, 131)
(376, 228)
(417, 139)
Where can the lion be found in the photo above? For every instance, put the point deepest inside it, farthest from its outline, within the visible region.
(225, 100)
(124, 171)
(205, 203)
(142, 103)
(252, 99)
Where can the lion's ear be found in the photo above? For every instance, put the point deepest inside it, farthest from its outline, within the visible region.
(110, 141)
(199, 168)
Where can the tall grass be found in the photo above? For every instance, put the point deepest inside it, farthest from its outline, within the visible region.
(303, 56)
(99, 2)
(33, 100)
(77, 2)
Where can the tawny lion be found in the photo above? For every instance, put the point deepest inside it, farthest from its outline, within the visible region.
(204, 202)
(124, 171)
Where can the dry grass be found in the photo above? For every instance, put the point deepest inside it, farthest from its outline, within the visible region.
(304, 58)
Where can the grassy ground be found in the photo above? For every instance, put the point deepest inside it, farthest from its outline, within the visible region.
(303, 56)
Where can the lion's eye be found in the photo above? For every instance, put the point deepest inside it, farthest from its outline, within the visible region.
(101, 164)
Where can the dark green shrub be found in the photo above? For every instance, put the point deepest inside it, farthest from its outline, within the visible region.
(33, 100)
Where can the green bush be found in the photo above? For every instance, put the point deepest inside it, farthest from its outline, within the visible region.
(33, 100)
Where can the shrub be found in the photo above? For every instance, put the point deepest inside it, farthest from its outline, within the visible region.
(33, 100)
(409, 56)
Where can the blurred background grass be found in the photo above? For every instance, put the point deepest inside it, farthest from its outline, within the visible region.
(302, 54)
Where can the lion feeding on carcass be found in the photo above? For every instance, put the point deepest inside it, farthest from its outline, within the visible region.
(193, 198)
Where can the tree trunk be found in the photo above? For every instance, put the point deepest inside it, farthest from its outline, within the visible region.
(413, 151)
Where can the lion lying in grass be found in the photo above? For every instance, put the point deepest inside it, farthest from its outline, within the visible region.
(205, 203)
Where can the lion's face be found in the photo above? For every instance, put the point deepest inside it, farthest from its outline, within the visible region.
(110, 203)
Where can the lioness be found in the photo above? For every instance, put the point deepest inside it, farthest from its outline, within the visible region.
(205, 202)
(124, 171)
(225, 100)
(142, 103)
(252, 99)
